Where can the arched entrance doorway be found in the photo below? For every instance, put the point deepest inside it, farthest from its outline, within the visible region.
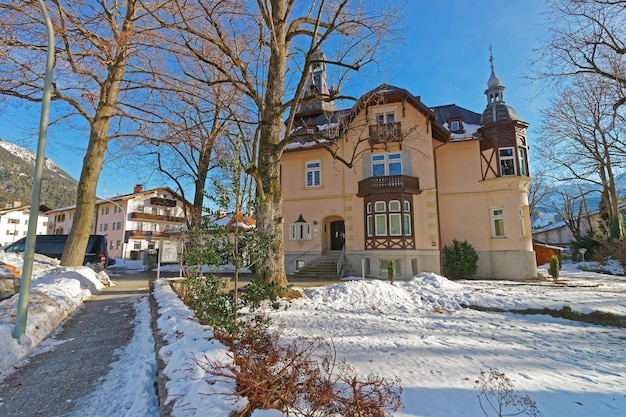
(337, 234)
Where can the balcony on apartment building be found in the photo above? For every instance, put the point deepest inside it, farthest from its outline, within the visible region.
(389, 183)
(161, 201)
(385, 133)
(155, 218)
(143, 234)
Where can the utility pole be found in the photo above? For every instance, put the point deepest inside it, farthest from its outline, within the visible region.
(31, 234)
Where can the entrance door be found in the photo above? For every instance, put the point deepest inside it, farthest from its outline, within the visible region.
(337, 235)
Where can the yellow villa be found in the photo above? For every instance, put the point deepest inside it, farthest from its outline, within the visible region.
(416, 178)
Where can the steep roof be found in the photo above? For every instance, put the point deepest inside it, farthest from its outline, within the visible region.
(384, 93)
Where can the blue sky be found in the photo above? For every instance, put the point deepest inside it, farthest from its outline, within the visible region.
(443, 58)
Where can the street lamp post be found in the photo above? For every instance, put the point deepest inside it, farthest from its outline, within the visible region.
(582, 253)
(21, 313)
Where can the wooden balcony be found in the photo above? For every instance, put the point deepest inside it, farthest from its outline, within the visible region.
(142, 234)
(389, 183)
(385, 133)
(160, 201)
(155, 218)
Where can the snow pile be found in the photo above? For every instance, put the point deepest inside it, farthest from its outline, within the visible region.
(361, 295)
(188, 344)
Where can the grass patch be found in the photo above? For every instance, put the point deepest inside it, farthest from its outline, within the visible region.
(597, 317)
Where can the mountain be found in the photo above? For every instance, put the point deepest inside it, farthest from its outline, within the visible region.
(17, 166)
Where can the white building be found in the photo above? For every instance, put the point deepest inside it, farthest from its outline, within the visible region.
(14, 222)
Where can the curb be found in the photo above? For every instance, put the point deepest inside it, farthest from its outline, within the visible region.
(162, 380)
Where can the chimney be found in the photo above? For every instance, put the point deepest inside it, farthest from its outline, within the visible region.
(17, 204)
(138, 188)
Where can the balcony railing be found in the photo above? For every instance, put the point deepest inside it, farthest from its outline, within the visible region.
(382, 184)
(160, 201)
(138, 216)
(142, 234)
(385, 133)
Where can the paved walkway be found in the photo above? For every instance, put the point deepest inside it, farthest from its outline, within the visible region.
(51, 383)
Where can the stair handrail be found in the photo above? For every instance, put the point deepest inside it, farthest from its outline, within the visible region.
(341, 261)
(305, 252)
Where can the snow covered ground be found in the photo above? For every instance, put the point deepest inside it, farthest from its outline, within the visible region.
(415, 330)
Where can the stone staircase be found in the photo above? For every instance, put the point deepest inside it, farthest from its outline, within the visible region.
(324, 267)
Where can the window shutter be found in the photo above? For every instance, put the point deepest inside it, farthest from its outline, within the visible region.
(292, 232)
(367, 165)
(307, 232)
(407, 167)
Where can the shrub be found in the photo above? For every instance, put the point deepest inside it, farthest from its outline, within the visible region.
(391, 271)
(213, 304)
(498, 398)
(555, 267)
(460, 260)
(303, 377)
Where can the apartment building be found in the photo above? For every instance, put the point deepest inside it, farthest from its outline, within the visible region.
(133, 223)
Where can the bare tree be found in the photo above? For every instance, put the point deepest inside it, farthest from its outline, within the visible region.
(102, 72)
(571, 205)
(587, 37)
(537, 191)
(581, 138)
(266, 49)
(193, 129)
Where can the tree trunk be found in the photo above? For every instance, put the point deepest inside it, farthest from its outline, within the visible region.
(270, 205)
(74, 252)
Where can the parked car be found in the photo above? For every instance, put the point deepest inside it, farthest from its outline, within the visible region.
(53, 245)
(9, 281)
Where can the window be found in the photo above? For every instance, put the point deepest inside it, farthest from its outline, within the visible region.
(497, 222)
(385, 117)
(395, 218)
(140, 208)
(155, 210)
(381, 224)
(106, 226)
(407, 224)
(113, 226)
(119, 225)
(313, 174)
(137, 244)
(455, 125)
(523, 161)
(117, 244)
(14, 221)
(392, 218)
(369, 219)
(300, 231)
(386, 164)
(507, 161)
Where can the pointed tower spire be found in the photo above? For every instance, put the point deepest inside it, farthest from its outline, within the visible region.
(316, 83)
(496, 110)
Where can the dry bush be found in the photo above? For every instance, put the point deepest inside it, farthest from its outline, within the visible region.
(498, 397)
(303, 378)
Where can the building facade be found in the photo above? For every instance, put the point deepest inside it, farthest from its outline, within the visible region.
(414, 179)
(14, 222)
(133, 223)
